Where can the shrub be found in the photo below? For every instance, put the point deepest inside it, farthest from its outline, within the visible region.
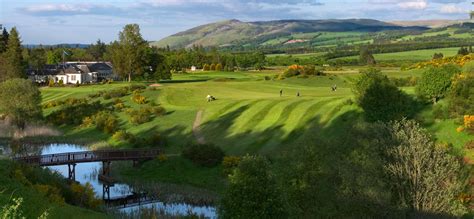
(61, 83)
(230, 162)
(219, 67)
(106, 122)
(139, 99)
(144, 114)
(95, 95)
(212, 67)
(73, 114)
(121, 135)
(204, 154)
(51, 83)
(159, 111)
(135, 87)
(162, 158)
(380, 99)
(436, 82)
(87, 122)
(84, 196)
(115, 93)
(51, 192)
(155, 140)
(460, 97)
(206, 67)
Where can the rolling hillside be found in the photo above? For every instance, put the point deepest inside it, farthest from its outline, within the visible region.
(235, 32)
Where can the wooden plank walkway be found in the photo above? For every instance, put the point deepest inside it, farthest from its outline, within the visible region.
(90, 156)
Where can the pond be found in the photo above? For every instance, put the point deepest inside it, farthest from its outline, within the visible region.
(88, 173)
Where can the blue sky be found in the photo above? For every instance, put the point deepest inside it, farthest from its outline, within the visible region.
(85, 21)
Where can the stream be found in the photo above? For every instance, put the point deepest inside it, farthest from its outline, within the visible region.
(88, 173)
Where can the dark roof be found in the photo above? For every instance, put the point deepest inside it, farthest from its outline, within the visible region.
(46, 70)
(100, 66)
(70, 68)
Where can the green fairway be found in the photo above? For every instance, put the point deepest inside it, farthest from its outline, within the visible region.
(249, 116)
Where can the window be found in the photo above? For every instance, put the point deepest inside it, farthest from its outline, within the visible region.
(73, 77)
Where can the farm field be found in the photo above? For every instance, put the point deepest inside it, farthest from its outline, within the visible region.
(248, 116)
(415, 55)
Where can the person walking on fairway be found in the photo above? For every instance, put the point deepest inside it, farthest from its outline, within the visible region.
(281, 92)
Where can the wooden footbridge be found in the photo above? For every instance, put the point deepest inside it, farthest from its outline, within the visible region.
(104, 156)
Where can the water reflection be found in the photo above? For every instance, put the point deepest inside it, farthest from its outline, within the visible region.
(88, 172)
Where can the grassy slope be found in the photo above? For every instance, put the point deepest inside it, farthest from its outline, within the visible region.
(35, 204)
(248, 117)
(415, 55)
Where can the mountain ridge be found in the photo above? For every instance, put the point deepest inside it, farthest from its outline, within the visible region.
(229, 32)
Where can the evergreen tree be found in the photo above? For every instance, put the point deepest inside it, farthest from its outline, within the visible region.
(3, 39)
(13, 56)
(97, 50)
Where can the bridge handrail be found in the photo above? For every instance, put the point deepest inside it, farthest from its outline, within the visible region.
(97, 155)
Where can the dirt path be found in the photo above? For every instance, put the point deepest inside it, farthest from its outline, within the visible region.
(197, 129)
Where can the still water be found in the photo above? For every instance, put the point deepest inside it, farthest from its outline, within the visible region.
(88, 172)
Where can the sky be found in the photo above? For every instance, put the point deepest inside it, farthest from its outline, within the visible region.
(85, 21)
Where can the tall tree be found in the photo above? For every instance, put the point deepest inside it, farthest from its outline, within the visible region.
(53, 57)
(129, 53)
(97, 50)
(3, 39)
(252, 192)
(13, 56)
(424, 178)
(21, 100)
(37, 58)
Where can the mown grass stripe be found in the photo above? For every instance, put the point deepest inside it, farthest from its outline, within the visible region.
(258, 117)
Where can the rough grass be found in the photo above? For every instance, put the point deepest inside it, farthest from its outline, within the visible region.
(35, 204)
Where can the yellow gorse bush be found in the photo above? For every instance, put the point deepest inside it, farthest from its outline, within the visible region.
(458, 60)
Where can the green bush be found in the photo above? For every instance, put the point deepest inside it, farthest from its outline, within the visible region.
(219, 67)
(140, 116)
(74, 113)
(380, 99)
(204, 154)
(106, 122)
(121, 135)
(139, 99)
(115, 93)
(436, 82)
(135, 87)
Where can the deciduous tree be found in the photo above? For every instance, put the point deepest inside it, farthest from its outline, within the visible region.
(129, 53)
(435, 82)
(423, 177)
(380, 99)
(252, 192)
(20, 100)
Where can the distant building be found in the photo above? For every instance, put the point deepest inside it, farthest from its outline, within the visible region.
(193, 68)
(73, 73)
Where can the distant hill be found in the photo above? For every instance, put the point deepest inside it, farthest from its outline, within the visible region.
(428, 23)
(62, 45)
(233, 32)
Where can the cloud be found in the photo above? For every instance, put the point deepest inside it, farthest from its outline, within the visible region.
(69, 9)
(415, 5)
(448, 1)
(452, 9)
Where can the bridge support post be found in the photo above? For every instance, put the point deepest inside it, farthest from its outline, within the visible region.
(71, 171)
(106, 168)
(105, 191)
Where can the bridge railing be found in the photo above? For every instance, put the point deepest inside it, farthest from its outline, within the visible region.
(90, 156)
